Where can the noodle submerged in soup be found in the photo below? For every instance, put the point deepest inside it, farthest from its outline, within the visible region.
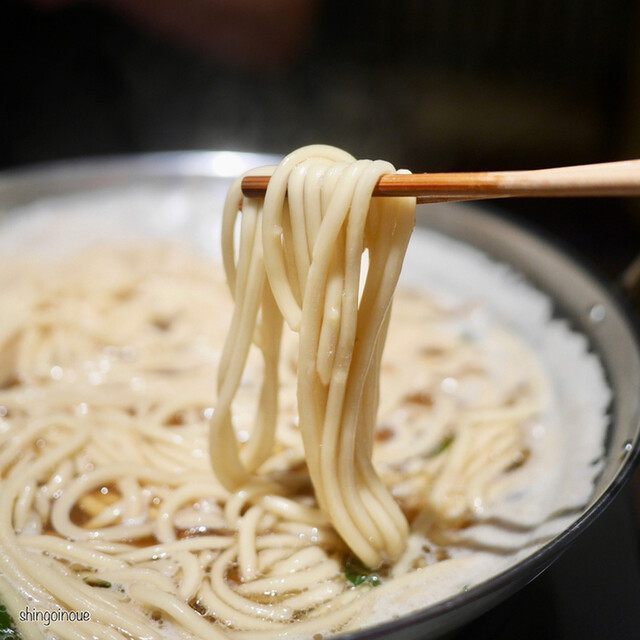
(108, 501)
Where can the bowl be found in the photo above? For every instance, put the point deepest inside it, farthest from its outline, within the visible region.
(181, 193)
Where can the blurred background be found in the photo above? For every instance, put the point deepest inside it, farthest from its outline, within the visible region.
(427, 84)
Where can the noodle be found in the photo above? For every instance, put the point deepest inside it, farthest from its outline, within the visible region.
(306, 256)
(329, 460)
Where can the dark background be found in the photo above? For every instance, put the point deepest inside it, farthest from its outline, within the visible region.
(427, 84)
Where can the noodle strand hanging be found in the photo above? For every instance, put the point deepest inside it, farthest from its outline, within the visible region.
(305, 252)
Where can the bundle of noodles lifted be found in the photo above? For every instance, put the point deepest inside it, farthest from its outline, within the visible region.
(300, 258)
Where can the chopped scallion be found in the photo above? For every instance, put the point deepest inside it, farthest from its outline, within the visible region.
(445, 443)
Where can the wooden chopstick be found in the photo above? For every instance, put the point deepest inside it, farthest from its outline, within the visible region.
(605, 179)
